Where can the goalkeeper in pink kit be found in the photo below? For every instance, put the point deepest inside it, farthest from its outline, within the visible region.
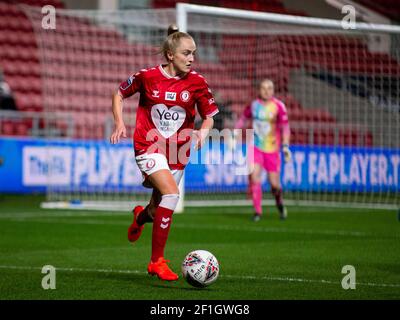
(271, 131)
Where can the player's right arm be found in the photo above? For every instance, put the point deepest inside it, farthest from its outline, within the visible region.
(125, 90)
(119, 125)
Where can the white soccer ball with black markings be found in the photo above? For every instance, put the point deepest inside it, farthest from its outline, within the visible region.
(200, 268)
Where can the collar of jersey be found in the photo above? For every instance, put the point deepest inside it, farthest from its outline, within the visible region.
(165, 74)
(265, 103)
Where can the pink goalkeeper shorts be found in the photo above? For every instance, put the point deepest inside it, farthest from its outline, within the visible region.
(270, 161)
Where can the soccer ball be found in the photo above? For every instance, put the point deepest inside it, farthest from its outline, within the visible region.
(200, 268)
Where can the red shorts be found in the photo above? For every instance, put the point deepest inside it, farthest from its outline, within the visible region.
(270, 161)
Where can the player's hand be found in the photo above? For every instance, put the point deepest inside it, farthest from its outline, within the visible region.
(199, 136)
(287, 154)
(119, 131)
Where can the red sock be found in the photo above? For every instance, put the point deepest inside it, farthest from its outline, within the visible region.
(161, 224)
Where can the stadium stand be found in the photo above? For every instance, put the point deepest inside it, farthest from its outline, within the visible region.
(19, 58)
(388, 8)
(274, 6)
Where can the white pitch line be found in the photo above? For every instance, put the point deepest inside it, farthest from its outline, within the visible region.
(207, 227)
(75, 269)
(283, 279)
(271, 229)
(55, 214)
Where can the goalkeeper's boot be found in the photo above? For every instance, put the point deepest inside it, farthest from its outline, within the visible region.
(256, 217)
(135, 230)
(161, 269)
(283, 213)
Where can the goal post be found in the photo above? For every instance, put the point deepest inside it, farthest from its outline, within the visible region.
(341, 91)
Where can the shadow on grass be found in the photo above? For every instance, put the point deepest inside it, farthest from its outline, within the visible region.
(149, 281)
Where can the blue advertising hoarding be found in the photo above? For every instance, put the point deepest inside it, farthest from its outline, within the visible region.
(28, 165)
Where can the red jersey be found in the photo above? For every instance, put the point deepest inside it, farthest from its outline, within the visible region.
(166, 111)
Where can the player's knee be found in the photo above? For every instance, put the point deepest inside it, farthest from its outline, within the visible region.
(255, 179)
(275, 189)
(169, 201)
(171, 189)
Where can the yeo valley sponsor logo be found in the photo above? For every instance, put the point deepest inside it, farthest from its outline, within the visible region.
(167, 120)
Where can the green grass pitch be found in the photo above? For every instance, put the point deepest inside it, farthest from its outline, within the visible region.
(301, 258)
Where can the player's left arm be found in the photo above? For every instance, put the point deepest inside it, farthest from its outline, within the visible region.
(207, 109)
(283, 123)
(203, 132)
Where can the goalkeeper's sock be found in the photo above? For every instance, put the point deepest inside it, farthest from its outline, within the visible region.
(256, 192)
(161, 225)
(277, 193)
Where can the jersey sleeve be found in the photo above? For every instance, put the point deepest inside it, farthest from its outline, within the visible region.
(282, 119)
(246, 114)
(130, 86)
(205, 101)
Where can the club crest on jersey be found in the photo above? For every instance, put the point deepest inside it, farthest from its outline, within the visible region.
(185, 96)
(170, 96)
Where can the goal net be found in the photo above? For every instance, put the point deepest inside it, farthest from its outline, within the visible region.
(340, 87)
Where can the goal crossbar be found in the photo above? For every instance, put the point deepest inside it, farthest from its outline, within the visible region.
(183, 9)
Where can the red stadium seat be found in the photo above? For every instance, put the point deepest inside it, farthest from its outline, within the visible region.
(7, 128)
(324, 136)
(349, 137)
(21, 129)
(299, 136)
(368, 139)
(318, 115)
(289, 101)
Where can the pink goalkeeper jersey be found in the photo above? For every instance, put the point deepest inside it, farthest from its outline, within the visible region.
(268, 120)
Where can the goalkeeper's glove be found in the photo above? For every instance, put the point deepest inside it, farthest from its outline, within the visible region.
(287, 154)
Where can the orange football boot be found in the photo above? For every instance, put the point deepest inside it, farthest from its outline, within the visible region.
(161, 269)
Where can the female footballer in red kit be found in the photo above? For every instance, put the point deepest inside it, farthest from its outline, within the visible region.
(164, 128)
